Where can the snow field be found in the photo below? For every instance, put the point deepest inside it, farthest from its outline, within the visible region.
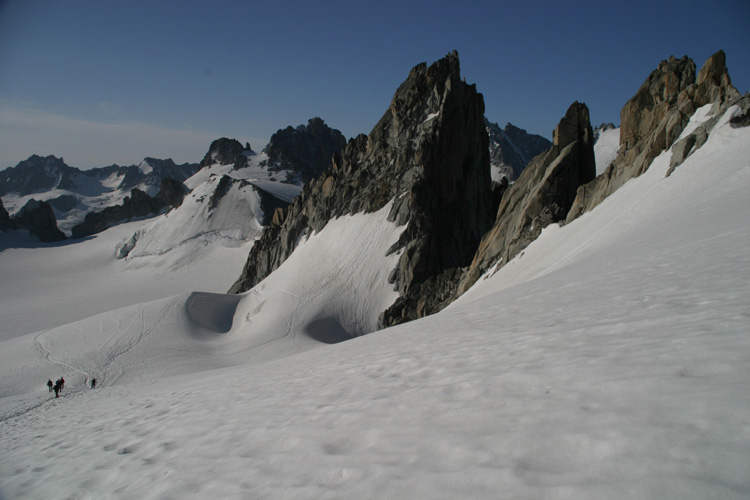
(610, 360)
(184, 249)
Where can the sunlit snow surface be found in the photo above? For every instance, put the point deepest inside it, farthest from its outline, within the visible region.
(605, 148)
(611, 359)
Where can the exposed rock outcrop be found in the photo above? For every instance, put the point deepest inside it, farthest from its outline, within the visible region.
(226, 151)
(36, 174)
(428, 154)
(305, 150)
(542, 195)
(64, 203)
(5, 222)
(511, 149)
(138, 204)
(39, 219)
(653, 119)
(149, 174)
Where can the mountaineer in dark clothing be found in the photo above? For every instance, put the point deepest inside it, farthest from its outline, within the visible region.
(57, 389)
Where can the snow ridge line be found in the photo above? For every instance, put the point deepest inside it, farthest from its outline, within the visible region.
(203, 234)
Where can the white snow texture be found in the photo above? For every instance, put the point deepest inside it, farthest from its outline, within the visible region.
(610, 359)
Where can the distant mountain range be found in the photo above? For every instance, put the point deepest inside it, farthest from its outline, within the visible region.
(44, 174)
(84, 202)
(448, 197)
(73, 193)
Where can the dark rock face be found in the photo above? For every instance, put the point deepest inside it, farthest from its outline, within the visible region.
(5, 222)
(428, 154)
(741, 119)
(160, 170)
(221, 190)
(64, 203)
(542, 195)
(138, 204)
(512, 148)
(305, 150)
(34, 175)
(653, 119)
(269, 205)
(39, 219)
(227, 152)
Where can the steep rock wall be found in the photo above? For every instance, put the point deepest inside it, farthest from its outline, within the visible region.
(653, 119)
(429, 154)
(542, 195)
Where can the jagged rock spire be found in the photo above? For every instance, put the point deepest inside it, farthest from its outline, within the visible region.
(428, 154)
(542, 195)
(653, 119)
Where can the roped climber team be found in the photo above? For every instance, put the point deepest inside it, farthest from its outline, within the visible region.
(59, 385)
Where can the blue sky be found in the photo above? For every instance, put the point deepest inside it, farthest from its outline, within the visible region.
(101, 82)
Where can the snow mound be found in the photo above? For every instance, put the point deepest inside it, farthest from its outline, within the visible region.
(202, 222)
(210, 313)
(332, 288)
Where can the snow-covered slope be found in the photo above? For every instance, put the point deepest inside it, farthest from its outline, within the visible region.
(224, 208)
(199, 246)
(609, 360)
(47, 285)
(299, 306)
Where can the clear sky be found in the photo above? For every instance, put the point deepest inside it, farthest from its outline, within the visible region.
(103, 81)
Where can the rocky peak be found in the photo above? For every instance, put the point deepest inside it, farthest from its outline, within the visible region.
(39, 219)
(574, 126)
(305, 150)
(429, 155)
(653, 99)
(226, 151)
(713, 82)
(542, 195)
(653, 119)
(149, 174)
(36, 174)
(511, 149)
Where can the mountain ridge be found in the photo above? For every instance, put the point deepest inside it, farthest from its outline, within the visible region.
(416, 156)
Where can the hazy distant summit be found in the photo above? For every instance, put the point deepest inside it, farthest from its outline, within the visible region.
(41, 174)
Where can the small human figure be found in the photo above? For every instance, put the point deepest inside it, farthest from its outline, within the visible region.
(49, 385)
(93, 383)
(62, 383)
(57, 389)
